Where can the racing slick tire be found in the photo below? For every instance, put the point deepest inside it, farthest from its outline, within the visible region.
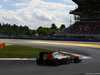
(54, 62)
(38, 61)
(76, 59)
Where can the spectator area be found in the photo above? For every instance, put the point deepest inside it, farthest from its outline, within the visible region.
(83, 28)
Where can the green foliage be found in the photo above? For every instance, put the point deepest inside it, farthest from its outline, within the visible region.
(13, 30)
(53, 26)
(24, 31)
(62, 26)
(44, 31)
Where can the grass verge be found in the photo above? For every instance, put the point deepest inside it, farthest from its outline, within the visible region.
(18, 51)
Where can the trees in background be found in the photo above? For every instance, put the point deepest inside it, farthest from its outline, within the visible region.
(53, 26)
(15, 30)
(62, 26)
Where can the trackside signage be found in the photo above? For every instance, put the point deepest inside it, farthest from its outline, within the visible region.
(2, 45)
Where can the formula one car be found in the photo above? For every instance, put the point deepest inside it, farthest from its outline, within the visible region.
(56, 58)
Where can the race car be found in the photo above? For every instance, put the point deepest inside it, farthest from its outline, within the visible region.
(56, 58)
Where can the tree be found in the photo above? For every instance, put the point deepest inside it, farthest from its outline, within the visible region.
(27, 32)
(15, 30)
(62, 26)
(52, 32)
(25, 27)
(42, 31)
(53, 26)
(34, 32)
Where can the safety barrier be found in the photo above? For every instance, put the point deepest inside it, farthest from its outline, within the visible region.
(2, 45)
(51, 39)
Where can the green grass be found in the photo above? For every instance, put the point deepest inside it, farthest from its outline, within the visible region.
(18, 51)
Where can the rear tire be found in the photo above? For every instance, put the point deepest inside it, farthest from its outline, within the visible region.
(76, 59)
(38, 61)
(54, 62)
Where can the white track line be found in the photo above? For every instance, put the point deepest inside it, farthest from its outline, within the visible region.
(17, 58)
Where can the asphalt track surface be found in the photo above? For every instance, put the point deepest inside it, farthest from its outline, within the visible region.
(29, 67)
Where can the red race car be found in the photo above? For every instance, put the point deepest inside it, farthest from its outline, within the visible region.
(56, 58)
